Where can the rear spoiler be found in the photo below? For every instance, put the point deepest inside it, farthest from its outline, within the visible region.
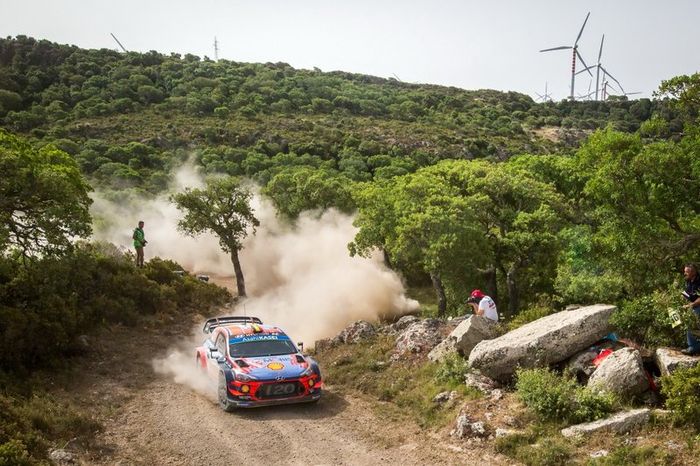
(211, 324)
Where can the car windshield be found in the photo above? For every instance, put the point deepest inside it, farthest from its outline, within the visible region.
(253, 349)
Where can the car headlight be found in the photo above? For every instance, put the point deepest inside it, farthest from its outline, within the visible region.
(309, 371)
(240, 377)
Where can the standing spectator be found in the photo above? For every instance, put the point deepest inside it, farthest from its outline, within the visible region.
(483, 305)
(139, 243)
(692, 294)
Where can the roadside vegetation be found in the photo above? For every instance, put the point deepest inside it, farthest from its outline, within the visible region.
(540, 205)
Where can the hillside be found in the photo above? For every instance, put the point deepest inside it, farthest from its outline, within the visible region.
(128, 118)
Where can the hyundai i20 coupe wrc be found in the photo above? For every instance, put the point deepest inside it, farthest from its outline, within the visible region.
(256, 365)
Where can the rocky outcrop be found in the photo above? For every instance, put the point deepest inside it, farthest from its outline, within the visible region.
(355, 332)
(402, 324)
(621, 373)
(669, 360)
(464, 337)
(480, 382)
(545, 341)
(466, 428)
(419, 337)
(619, 423)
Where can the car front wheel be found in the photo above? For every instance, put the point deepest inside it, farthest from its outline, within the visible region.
(224, 402)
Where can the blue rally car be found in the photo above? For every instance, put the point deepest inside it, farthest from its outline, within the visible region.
(256, 365)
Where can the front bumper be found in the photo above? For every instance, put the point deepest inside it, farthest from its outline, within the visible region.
(242, 403)
(253, 398)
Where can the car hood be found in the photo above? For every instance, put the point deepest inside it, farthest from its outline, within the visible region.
(273, 367)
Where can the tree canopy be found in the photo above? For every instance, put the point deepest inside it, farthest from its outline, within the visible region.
(44, 202)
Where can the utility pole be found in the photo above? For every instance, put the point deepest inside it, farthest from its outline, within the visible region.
(117, 41)
(216, 49)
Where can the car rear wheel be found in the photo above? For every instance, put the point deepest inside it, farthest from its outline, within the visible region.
(224, 402)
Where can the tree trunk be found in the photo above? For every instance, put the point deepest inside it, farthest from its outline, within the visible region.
(440, 293)
(240, 282)
(387, 259)
(513, 299)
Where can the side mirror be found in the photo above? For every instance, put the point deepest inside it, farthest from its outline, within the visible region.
(301, 346)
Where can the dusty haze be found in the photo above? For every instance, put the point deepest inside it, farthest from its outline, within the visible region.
(301, 278)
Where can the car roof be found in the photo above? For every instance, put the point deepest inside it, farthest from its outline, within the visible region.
(250, 329)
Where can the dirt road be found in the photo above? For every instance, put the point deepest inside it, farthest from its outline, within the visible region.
(150, 419)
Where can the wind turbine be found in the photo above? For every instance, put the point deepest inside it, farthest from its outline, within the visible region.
(574, 55)
(546, 96)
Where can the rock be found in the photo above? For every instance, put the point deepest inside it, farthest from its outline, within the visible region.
(356, 332)
(444, 397)
(505, 432)
(61, 456)
(465, 428)
(545, 341)
(581, 364)
(325, 344)
(619, 423)
(441, 397)
(622, 373)
(669, 360)
(445, 348)
(472, 331)
(84, 342)
(419, 337)
(599, 454)
(402, 324)
(497, 395)
(480, 382)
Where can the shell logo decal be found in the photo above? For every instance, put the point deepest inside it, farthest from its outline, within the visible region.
(275, 366)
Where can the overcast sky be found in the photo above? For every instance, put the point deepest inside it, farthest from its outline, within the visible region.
(469, 44)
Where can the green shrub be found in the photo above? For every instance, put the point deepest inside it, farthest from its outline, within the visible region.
(558, 398)
(645, 319)
(643, 455)
(534, 451)
(14, 453)
(451, 370)
(54, 300)
(529, 315)
(682, 391)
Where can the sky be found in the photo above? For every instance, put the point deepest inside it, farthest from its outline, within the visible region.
(468, 44)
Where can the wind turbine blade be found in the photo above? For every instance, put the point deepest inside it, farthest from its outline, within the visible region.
(600, 52)
(563, 47)
(581, 31)
(587, 68)
(613, 78)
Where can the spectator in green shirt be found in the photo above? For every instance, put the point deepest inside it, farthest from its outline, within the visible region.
(139, 242)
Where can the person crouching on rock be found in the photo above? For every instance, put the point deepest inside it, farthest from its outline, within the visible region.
(483, 305)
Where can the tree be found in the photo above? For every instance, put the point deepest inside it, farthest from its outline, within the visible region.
(297, 189)
(223, 208)
(643, 199)
(44, 201)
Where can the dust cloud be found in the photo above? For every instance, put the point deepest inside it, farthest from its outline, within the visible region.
(180, 367)
(299, 277)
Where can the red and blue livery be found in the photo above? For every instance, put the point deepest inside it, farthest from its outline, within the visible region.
(256, 365)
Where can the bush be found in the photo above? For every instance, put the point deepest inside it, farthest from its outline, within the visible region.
(682, 391)
(645, 319)
(557, 398)
(451, 371)
(530, 450)
(48, 303)
(528, 315)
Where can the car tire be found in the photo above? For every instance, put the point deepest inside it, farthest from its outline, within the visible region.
(222, 392)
